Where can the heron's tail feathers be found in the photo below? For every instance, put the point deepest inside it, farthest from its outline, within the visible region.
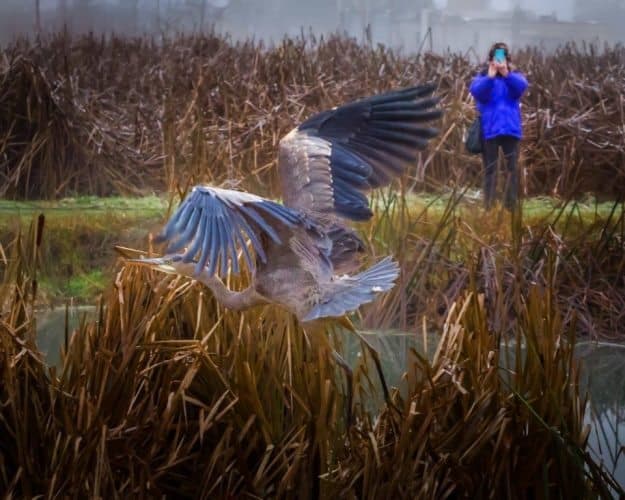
(347, 293)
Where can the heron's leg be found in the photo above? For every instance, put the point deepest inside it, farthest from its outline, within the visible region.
(349, 374)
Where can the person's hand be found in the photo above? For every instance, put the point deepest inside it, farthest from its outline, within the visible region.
(492, 69)
(502, 68)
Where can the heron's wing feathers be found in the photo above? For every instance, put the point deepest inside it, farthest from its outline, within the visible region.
(332, 158)
(211, 225)
(347, 293)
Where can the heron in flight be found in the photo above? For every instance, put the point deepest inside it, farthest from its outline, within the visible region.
(301, 253)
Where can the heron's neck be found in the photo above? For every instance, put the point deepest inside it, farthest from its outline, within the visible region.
(232, 300)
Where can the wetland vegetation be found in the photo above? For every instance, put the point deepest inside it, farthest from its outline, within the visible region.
(163, 392)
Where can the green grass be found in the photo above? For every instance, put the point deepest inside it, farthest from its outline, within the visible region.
(535, 209)
(132, 207)
(83, 285)
(541, 207)
(81, 232)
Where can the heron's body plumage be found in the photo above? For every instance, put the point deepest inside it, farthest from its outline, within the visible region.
(299, 251)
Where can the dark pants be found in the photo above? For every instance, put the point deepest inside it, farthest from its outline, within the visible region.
(490, 155)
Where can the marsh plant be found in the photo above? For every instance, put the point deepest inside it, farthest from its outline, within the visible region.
(166, 393)
(115, 115)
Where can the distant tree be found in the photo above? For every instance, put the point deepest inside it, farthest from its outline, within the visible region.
(211, 10)
(62, 13)
(37, 16)
(135, 14)
(158, 15)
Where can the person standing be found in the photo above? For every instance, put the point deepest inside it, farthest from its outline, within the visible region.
(497, 91)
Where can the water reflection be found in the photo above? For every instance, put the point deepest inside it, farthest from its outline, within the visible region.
(603, 374)
(395, 350)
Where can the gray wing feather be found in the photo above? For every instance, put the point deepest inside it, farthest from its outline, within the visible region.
(305, 172)
(329, 161)
(212, 224)
(347, 293)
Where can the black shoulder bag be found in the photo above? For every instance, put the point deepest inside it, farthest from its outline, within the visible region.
(474, 140)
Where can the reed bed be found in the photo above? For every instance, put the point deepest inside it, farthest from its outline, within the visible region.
(151, 114)
(53, 143)
(167, 393)
(147, 403)
(467, 422)
(450, 244)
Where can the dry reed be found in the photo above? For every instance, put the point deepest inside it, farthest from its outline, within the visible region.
(446, 248)
(166, 393)
(203, 108)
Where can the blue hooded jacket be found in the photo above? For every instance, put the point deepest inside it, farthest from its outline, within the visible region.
(498, 103)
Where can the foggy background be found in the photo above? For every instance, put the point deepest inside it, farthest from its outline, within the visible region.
(461, 25)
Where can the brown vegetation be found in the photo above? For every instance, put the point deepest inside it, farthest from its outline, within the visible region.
(91, 115)
(52, 144)
(447, 248)
(169, 394)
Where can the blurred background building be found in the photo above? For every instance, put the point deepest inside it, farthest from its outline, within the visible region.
(460, 25)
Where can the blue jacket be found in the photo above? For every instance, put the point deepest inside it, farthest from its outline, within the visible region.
(498, 103)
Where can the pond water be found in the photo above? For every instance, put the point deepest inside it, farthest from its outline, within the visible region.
(51, 329)
(603, 374)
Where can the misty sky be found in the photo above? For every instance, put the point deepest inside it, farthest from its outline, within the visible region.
(258, 18)
(562, 8)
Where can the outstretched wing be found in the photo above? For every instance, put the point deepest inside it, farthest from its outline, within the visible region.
(329, 161)
(211, 225)
(348, 293)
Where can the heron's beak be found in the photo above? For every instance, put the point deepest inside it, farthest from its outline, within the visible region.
(156, 263)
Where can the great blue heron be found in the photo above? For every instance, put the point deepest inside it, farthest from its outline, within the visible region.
(302, 250)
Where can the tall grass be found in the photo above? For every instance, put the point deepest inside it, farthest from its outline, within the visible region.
(470, 426)
(450, 244)
(92, 115)
(165, 386)
(167, 393)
